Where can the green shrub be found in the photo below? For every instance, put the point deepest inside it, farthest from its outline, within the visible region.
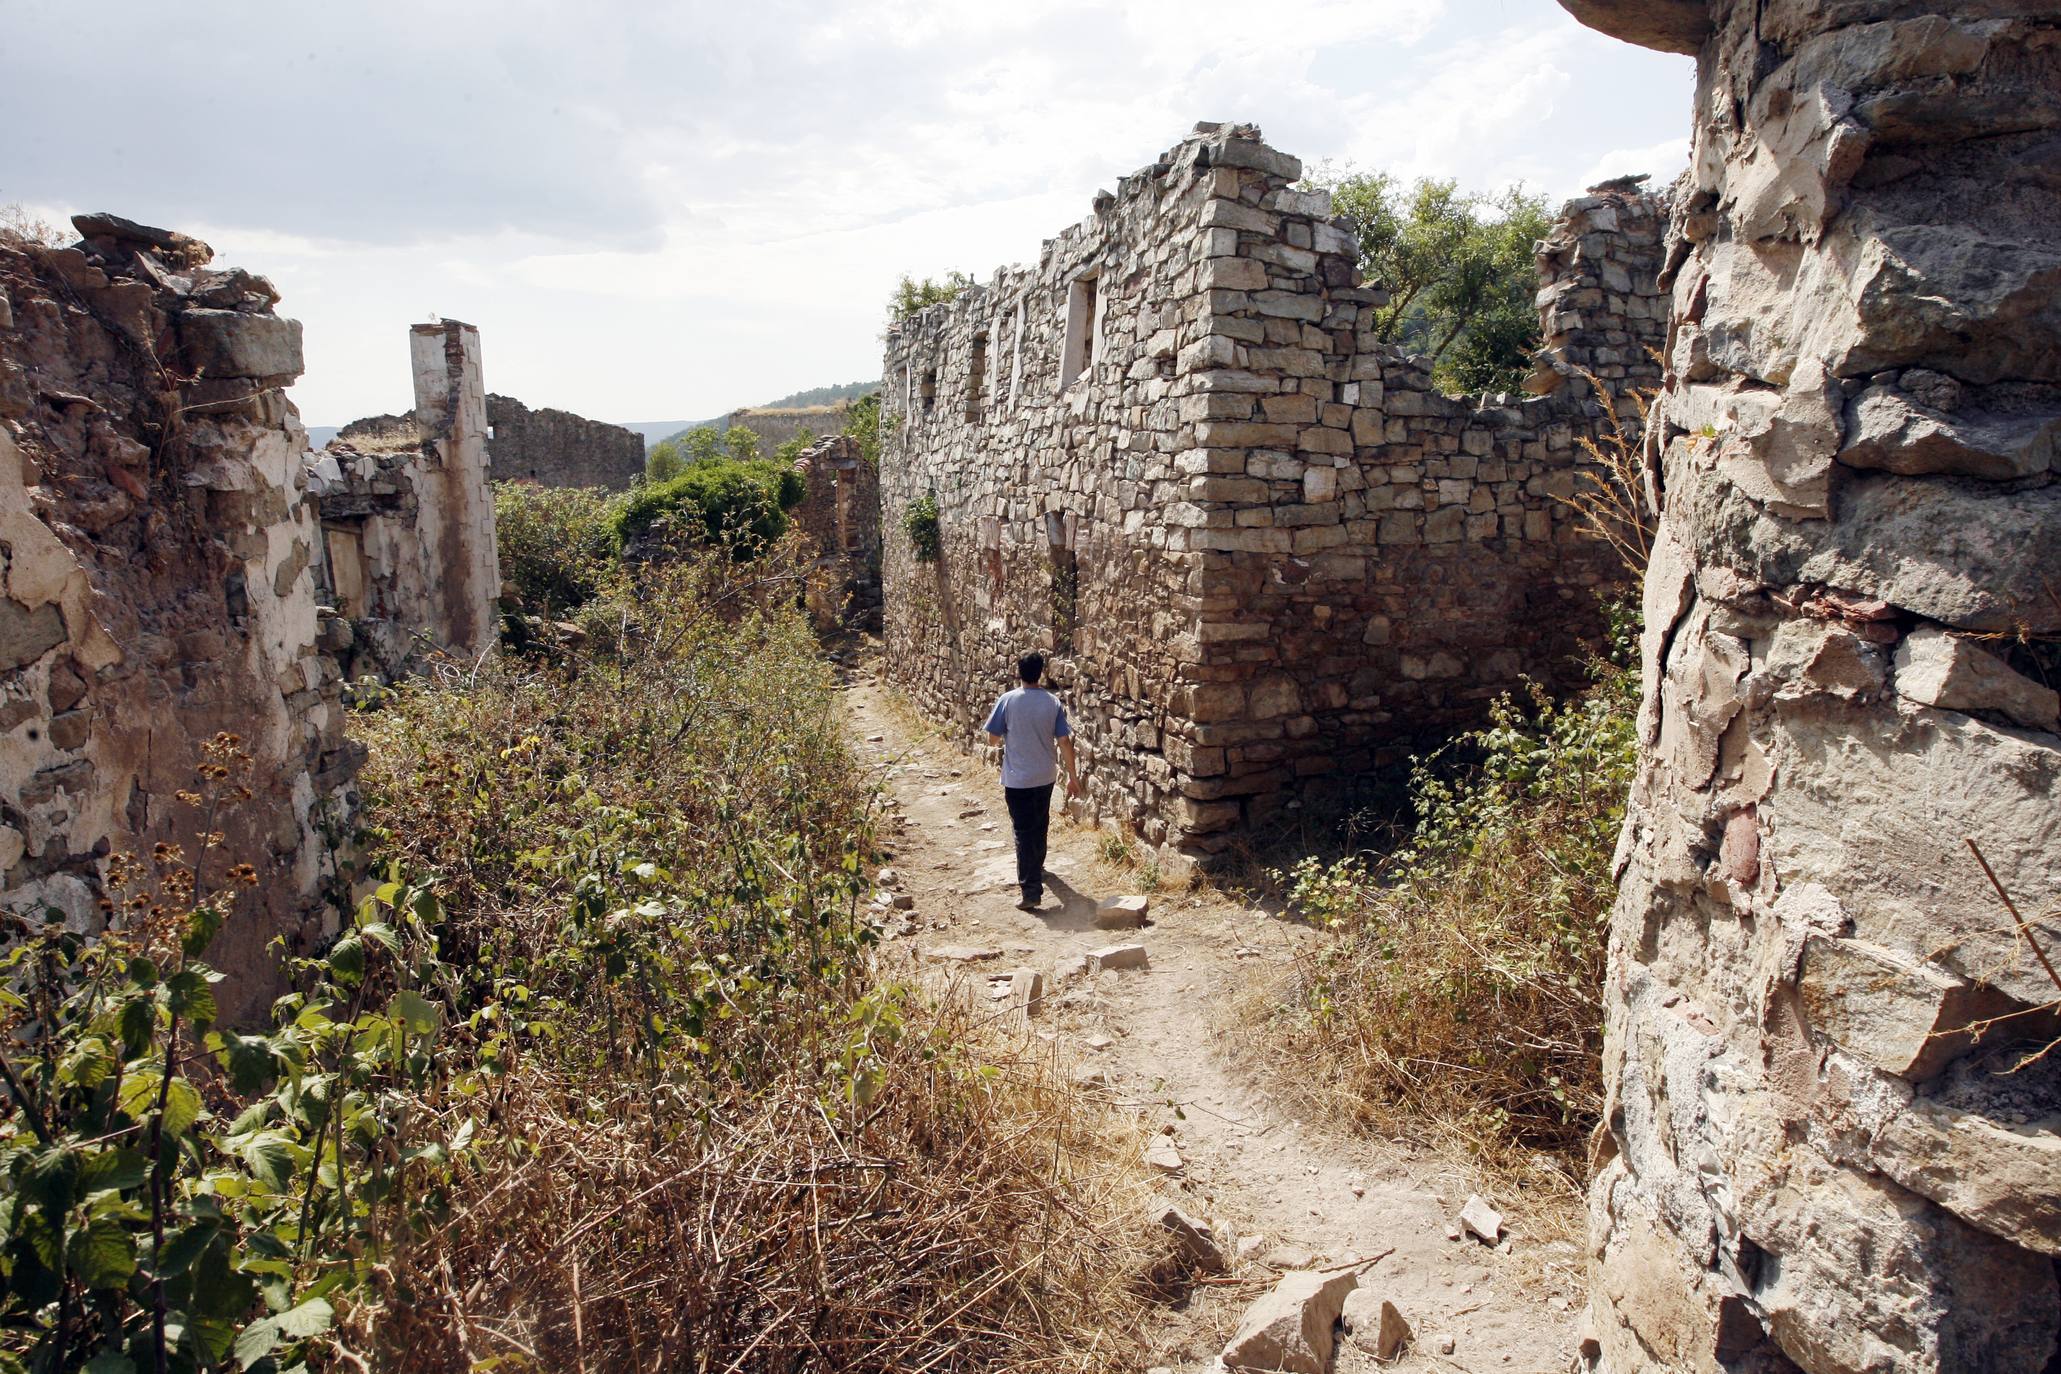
(920, 523)
(741, 506)
(557, 544)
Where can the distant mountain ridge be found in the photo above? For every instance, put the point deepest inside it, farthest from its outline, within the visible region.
(656, 430)
(813, 397)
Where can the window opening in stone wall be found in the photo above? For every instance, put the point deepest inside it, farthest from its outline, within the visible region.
(977, 376)
(929, 390)
(1066, 580)
(1082, 317)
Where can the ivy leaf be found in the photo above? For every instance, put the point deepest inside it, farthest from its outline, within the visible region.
(112, 1169)
(183, 1249)
(267, 1334)
(182, 1103)
(271, 1156)
(102, 1253)
(252, 1062)
(191, 997)
(52, 1178)
(138, 1021)
(413, 1011)
(347, 960)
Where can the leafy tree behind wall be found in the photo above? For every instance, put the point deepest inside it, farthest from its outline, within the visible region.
(1459, 268)
(911, 295)
(671, 457)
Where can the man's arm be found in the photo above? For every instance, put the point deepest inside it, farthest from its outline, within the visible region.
(1073, 775)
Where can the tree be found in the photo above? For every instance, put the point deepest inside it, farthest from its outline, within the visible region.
(671, 457)
(912, 296)
(1459, 269)
(862, 422)
(666, 461)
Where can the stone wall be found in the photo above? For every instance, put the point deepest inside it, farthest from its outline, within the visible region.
(1825, 1149)
(776, 427)
(556, 448)
(1264, 553)
(839, 516)
(156, 553)
(409, 563)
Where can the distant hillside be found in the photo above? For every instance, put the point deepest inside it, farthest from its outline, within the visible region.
(814, 398)
(821, 396)
(655, 430)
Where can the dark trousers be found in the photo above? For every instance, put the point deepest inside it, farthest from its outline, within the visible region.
(1030, 816)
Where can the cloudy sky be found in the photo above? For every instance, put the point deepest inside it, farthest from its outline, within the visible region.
(659, 211)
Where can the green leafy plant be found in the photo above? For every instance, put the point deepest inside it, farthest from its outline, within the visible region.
(739, 506)
(920, 523)
(183, 1196)
(557, 544)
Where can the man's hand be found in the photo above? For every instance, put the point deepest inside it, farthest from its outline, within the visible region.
(1074, 786)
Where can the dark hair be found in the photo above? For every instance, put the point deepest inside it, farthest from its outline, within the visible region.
(1031, 667)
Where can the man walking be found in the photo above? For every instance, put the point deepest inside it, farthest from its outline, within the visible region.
(1031, 724)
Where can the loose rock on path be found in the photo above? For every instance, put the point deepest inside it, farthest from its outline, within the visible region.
(1150, 1023)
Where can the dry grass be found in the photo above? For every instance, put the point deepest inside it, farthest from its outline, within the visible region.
(1462, 996)
(1611, 495)
(714, 1133)
(973, 1218)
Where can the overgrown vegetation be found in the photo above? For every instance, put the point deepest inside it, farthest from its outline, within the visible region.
(1464, 987)
(184, 1197)
(556, 543)
(1464, 990)
(671, 457)
(920, 524)
(862, 422)
(613, 1083)
(1459, 268)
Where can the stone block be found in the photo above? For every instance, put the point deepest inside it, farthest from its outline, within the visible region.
(222, 344)
(1899, 1015)
(1292, 1327)
(1935, 668)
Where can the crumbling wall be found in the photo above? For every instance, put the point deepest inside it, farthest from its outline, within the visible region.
(1262, 549)
(155, 554)
(409, 561)
(1826, 1149)
(839, 517)
(556, 448)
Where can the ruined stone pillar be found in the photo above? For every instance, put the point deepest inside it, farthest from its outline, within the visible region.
(1829, 1144)
(457, 511)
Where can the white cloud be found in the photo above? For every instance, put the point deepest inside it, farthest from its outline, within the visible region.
(666, 211)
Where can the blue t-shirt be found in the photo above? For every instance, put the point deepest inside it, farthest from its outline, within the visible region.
(1031, 722)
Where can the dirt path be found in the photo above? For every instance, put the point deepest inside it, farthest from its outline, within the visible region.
(1294, 1193)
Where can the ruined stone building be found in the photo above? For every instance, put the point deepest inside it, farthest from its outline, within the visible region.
(409, 564)
(776, 425)
(556, 448)
(157, 556)
(1829, 1146)
(174, 564)
(839, 517)
(1265, 554)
